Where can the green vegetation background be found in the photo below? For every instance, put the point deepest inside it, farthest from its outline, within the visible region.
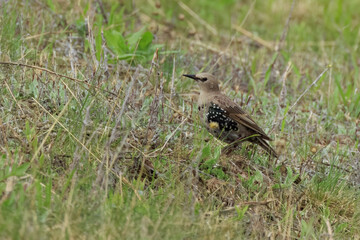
(99, 136)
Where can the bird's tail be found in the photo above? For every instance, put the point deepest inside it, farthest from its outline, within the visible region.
(262, 143)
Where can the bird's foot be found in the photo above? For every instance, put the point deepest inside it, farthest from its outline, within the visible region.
(228, 149)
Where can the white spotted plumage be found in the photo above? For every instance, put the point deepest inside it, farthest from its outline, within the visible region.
(233, 122)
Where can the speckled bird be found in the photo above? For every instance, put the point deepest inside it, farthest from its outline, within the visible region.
(225, 119)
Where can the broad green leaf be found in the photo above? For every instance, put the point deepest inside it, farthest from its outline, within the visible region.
(206, 152)
(143, 37)
(116, 42)
(145, 41)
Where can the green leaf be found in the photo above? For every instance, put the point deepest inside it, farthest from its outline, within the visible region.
(340, 88)
(116, 42)
(241, 212)
(128, 56)
(48, 193)
(145, 41)
(86, 8)
(205, 152)
(51, 5)
(67, 183)
(349, 91)
(355, 106)
(38, 194)
(98, 38)
(116, 18)
(20, 170)
(140, 40)
(41, 159)
(209, 163)
(134, 38)
(34, 87)
(268, 71)
(219, 173)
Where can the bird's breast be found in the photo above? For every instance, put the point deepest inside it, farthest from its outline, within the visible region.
(219, 115)
(219, 124)
(215, 118)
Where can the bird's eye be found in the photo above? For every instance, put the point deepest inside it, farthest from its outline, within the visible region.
(203, 79)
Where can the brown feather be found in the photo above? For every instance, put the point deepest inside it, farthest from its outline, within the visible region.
(262, 143)
(224, 118)
(236, 113)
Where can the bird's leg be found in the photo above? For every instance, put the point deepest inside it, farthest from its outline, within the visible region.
(231, 146)
(253, 152)
(227, 149)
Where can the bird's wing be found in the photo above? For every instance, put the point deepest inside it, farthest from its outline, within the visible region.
(236, 113)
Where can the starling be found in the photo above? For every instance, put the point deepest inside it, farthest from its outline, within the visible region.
(225, 119)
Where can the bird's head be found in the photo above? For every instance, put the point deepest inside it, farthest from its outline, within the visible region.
(207, 82)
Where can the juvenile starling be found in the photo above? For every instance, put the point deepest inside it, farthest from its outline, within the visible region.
(225, 119)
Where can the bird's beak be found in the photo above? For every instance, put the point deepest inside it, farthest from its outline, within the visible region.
(191, 76)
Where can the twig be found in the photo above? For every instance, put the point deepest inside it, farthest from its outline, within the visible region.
(118, 120)
(56, 74)
(67, 130)
(286, 28)
(154, 61)
(282, 38)
(335, 166)
(167, 140)
(248, 13)
(137, 149)
(172, 89)
(85, 123)
(101, 6)
(118, 96)
(282, 96)
(253, 37)
(91, 39)
(154, 106)
(250, 203)
(233, 37)
(213, 49)
(180, 113)
(330, 233)
(283, 79)
(197, 17)
(306, 90)
(88, 150)
(50, 129)
(100, 172)
(297, 100)
(12, 95)
(46, 33)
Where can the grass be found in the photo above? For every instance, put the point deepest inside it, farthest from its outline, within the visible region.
(100, 138)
